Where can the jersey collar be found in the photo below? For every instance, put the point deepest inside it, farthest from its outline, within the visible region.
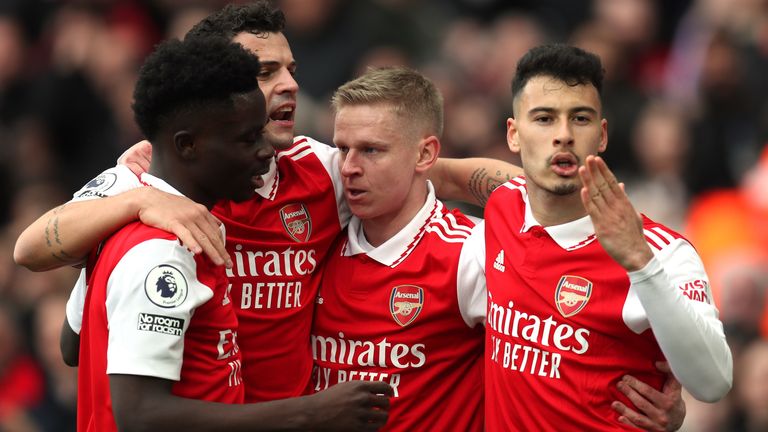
(158, 183)
(271, 180)
(569, 236)
(396, 249)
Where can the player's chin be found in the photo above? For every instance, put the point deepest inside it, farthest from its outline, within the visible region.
(242, 195)
(279, 137)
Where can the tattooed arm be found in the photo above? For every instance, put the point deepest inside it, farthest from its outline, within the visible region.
(470, 180)
(66, 234)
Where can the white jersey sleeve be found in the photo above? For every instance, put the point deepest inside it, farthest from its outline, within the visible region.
(76, 303)
(111, 182)
(671, 295)
(329, 156)
(151, 295)
(470, 280)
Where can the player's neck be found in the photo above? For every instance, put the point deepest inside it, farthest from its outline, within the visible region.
(382, 228)
(550, 209)
(182, 181)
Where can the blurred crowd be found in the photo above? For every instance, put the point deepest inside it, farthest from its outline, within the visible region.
(686, 99)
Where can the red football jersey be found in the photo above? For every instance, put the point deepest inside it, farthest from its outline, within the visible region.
(154, 309)
(557, 335)
(408, 312)
(278, 241)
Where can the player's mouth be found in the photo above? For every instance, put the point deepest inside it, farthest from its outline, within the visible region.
(283, 115)
(564, 164)
(353, 194)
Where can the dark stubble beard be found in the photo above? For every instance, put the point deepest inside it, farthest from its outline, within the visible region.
(565, 189)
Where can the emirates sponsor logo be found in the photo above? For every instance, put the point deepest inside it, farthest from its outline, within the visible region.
(297, 222)
(405, 303)
(572, 294)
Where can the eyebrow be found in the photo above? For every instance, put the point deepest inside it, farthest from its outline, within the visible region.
(275, 63)
(549, 110)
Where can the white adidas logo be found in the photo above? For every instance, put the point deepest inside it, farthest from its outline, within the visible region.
(498, 263)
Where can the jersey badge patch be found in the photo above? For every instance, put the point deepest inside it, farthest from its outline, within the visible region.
(572, 294)
(405, 303)
(161, 324)
(166, 286)
(98, 185)
(296, 221)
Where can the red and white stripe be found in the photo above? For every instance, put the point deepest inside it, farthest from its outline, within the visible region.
(658, 237)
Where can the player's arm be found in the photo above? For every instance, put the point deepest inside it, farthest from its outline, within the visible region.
(143, 403)
(69, 343)
(69, 339)
(66, 234)
(688, 332)
(470, 180)
(654, 410)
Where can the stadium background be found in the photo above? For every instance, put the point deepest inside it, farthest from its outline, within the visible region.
(686, 98)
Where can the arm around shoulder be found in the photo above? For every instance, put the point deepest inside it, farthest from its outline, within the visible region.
(470, 180)
(66, 234)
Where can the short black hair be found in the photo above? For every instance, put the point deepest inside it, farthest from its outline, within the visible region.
(569, 64)
(258, 18)
(186, 76)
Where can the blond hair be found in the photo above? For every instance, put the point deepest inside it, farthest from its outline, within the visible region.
(411, 95)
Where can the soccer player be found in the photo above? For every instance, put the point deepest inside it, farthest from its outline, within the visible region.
(400, 300)
(278, 239)
(159, 330)
(581, 289)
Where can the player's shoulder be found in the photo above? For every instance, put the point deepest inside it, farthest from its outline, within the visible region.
(450, 225)
(304, 146)
(136, 233)
(659, 236)
(515, 186)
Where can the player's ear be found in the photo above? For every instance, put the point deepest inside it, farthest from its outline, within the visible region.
(512, 137)
(603, 136)
(429, 149)
(184, 143)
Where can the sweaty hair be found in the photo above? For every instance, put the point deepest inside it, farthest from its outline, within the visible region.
(182, 77)
(568, 64)
(258, 18)
(410, 93)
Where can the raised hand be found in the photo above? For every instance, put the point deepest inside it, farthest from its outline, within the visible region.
(137, 158)
(660, 410)
(351, 406)
(618, 226)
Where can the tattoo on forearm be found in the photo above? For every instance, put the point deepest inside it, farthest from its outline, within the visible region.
(53, 225)
(481, 184)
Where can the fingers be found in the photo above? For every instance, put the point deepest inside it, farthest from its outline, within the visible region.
(209, 240)
(641, 394)
(376, 420)
(378, 387)
(633, 418)
(137, 158)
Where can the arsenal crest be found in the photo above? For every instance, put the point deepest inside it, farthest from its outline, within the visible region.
(572, 294)
(405, 303)
(296, 222)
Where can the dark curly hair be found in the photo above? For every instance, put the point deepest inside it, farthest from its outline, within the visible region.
(181, 77)
(569, 64)
(258, 18)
